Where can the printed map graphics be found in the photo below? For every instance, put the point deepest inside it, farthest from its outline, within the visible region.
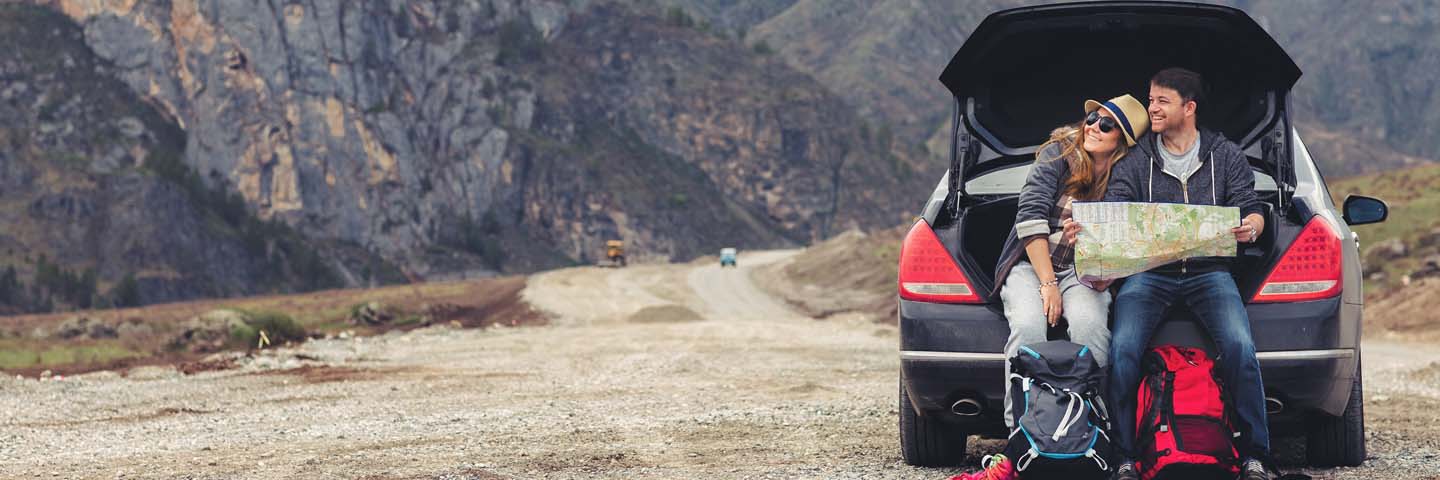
(1119, 239)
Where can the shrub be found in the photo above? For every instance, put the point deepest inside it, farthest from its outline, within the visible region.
(242, 335)
(278, 327)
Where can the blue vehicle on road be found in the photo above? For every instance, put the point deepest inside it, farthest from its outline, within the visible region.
(727, 257)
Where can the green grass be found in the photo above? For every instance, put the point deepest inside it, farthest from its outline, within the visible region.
(1413, 195)
(409, 320)
(19, 354)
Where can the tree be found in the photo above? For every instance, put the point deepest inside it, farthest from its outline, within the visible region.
(83, 293)
(10, 288)
(47, 275)
(126, 293)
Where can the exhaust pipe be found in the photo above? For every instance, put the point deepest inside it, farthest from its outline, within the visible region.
(1273, 406)
(966, 407)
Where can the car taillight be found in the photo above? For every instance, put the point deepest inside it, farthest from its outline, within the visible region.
(1310, 268)
(928, 272)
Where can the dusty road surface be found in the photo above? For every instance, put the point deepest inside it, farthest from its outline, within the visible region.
(670, 371)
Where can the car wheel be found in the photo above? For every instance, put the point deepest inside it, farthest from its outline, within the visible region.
(927, 441)
(1339, 441)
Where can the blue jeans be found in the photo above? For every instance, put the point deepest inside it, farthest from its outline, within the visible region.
(1215, 301)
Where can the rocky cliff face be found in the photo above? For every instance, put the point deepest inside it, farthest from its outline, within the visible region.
(75, 193)
(438, 133)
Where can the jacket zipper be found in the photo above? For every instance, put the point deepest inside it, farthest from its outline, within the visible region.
(1185, 187)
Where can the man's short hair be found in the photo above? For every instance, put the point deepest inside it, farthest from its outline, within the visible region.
(1186, 82)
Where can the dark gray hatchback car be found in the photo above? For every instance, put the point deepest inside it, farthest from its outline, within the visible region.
(1013, 80)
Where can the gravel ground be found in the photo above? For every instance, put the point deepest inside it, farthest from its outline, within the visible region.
(608, 389)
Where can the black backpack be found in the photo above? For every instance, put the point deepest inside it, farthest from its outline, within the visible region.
(1060, 419)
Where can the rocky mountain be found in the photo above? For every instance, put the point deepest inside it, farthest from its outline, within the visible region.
(429, 139)
(96, 205)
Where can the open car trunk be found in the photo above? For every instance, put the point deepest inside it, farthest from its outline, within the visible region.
(1028, 70)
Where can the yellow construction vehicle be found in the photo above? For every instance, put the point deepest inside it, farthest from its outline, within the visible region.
(615, 253)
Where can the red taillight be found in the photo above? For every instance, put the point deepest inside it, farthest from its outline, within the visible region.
(1309, 270)
(928, 273)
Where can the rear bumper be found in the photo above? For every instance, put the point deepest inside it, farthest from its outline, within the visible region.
(950, 352)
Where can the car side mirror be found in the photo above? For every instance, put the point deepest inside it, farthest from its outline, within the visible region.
(1360, 210)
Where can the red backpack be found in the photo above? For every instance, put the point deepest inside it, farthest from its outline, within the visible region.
(1183, 425)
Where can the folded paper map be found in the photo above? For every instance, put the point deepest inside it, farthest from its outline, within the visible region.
(1119, 239)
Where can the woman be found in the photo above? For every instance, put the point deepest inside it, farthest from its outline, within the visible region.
(1037, 270)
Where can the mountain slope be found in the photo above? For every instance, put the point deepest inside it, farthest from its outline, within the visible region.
(1370, 72)
(464, 138)
(1413, 195)
(884, 57)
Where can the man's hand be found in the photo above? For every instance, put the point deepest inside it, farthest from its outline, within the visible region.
(1249, 230)
(1071, 229)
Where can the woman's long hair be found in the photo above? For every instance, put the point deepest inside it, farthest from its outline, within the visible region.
(1083, 184)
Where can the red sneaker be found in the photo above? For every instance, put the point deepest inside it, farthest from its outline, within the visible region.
(993, 467)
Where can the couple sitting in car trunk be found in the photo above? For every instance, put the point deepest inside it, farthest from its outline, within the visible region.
(1110, 156)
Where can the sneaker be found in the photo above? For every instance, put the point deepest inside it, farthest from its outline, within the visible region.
(1254, 469)
(1126, 471)
(993, 467)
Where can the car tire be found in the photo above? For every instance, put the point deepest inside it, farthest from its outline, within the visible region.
(928, 441)
(1339, 441)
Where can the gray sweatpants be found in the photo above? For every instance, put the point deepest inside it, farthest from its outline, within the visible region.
(1085, 311)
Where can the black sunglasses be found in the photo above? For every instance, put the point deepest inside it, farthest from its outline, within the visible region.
(1107, 124)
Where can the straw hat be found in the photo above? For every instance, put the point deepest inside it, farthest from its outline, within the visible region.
(1128, 112)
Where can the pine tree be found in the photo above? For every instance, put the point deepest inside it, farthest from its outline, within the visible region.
(126, 293)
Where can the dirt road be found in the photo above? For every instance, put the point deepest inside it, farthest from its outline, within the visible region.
(663, 371)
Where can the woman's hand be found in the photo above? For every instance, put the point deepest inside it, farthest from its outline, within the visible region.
(1100, 286)
(1050, 297)
(1072, 228)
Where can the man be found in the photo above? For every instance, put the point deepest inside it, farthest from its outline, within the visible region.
(1179, 163)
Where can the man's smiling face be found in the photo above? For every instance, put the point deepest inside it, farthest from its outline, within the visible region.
(1167, 110)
